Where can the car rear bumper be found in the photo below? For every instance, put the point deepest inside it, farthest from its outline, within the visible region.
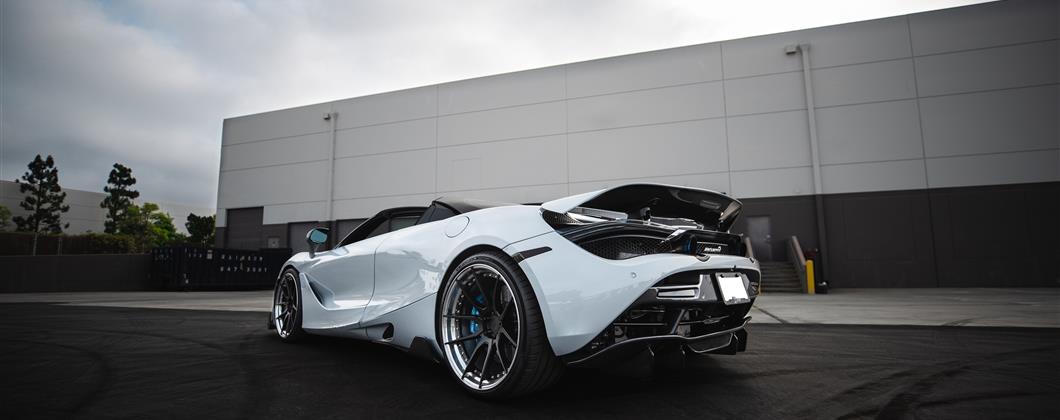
(581, 295)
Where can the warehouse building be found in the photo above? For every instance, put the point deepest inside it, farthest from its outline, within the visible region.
(914, 151)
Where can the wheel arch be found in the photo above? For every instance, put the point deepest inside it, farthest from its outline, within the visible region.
(472, 250)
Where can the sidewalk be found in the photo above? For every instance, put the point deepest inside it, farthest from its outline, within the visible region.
(986, 307)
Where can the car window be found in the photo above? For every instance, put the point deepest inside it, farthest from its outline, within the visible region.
(379, 230)
(441, 213)
(401, 222)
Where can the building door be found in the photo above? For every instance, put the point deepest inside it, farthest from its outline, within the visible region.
(761, 234)
(244, 230)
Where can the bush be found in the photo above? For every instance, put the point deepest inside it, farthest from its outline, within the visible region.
(100, 243)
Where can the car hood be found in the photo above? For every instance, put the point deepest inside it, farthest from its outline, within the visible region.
(712, 209)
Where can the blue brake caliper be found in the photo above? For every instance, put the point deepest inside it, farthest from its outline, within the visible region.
(475, 327)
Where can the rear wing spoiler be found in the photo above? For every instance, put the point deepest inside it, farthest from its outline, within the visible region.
(642, 201)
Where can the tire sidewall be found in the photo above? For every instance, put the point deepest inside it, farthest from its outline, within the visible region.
(296, 330)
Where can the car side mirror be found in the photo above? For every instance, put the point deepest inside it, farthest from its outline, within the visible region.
(316, 237)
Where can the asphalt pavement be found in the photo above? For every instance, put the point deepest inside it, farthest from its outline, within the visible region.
(62, 361)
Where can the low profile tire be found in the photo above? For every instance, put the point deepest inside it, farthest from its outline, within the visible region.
(491, 332)
(287, 307)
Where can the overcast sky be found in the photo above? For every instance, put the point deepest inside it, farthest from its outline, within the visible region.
(148, 83)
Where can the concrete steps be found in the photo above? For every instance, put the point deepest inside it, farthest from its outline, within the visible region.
(779, 277)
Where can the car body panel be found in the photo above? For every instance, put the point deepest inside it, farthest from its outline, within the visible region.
(404, 266)
(581, 293)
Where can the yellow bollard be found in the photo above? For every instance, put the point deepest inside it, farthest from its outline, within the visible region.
(809, 277)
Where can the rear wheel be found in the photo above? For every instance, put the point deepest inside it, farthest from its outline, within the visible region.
(491, 331)
(286, 307)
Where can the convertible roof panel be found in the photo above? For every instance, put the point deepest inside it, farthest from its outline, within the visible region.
(465, 205)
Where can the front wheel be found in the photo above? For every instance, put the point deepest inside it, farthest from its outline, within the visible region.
(491, 332)
(286, 307)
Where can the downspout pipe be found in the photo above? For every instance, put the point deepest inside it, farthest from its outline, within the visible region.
(331, 117)
(818, 190)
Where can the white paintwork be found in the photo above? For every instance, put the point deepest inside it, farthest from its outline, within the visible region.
(729, 116)
(582, 293)
(393, 278)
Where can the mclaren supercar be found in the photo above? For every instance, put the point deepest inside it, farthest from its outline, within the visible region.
(505, 296)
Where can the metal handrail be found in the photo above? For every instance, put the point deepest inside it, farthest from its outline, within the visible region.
(796, 250)
(798, 259)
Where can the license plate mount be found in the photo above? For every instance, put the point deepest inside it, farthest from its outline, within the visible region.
(731, 286)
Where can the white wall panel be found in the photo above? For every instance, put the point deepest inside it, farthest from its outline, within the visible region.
(385, 138)
(401, 173)
(505, 123)
(524, 87)
(270, 125)
(273, 185)
(998, 121)
(882, 81)
(387, 107)
(869, 132)
(778, 92)
(987, 25)
(873, 176)
(296, 212)
(858, 42)
(715, 181)
(360, 208)
(765, 141)
(772, 182)
(677, 66)
(537, 160)
(276, 152)
(222, 218)
(994, 68)
(514, 195)
(1003, 168)
(670, 149)
(680, 103)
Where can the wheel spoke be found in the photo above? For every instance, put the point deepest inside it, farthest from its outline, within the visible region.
(465, 338)
(471, 359)
(504, 310)
(485, 363)
(504, 333)
(500, 358)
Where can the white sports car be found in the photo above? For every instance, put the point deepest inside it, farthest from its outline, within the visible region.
(507, 295)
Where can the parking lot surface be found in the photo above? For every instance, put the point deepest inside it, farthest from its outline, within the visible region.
(64, 361)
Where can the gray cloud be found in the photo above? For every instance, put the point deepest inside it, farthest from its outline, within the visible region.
(148, 83)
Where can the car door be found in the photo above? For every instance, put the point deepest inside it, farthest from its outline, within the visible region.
(343, 280)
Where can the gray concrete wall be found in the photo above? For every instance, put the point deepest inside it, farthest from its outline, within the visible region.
(950, 98)
(75, 273)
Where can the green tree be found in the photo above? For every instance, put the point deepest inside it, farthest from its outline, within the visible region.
(150, 226)
(200, 229)
(120, 196)
(42, 197)
(5, 218)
